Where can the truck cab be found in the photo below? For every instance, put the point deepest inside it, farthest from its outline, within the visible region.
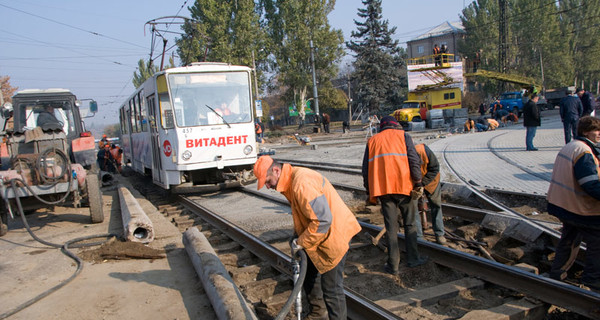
(513, 102)
(420, 101)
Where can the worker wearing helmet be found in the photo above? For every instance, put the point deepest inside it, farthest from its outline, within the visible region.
(102, 142)
(324, 226)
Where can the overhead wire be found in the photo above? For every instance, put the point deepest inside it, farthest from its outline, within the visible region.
(73, 27)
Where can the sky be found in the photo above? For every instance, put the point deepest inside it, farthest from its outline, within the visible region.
(92, 47)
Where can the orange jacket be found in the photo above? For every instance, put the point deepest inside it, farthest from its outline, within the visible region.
(322, 221)
(469, 124)
(427, 166)
(493, 124)
(390, 168)
(116, 155)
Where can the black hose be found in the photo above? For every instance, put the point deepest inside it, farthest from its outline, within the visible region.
(297, 286)
(64, 249)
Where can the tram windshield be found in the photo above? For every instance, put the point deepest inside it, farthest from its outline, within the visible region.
(210, 98)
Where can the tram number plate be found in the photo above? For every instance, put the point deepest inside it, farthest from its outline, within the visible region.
(187, 130)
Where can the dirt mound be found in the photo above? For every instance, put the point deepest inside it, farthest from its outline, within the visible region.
(119, 250)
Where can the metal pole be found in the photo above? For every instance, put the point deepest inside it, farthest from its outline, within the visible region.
(255, 82)
(314, 76)
(349, 102)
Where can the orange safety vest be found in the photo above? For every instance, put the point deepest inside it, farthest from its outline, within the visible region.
(322, 221)
(424, 163)
(469, 124)
(116, 155)
(258, 128)
(389, 172)
(493, 124)
(436, 50)
(565, 191)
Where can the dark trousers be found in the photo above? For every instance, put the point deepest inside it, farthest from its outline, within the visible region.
(570, 128)
(390, 204)
(326, 127)
(326, 291)
(437, 219)
(568, 247)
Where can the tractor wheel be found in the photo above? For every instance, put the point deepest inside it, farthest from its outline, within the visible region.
(94, 197)
(3, 221)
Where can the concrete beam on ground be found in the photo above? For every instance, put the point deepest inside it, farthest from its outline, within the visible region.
(137, 227)
(224, 295)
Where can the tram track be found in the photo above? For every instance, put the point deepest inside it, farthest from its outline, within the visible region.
(258, 266)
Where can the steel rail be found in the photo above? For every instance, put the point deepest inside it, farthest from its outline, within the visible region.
(359, 307)
(326, 167)
(551, 232)
(583, 302)
(548, 290)
(328, 164)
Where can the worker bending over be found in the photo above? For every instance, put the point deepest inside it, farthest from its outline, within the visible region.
(324, 227)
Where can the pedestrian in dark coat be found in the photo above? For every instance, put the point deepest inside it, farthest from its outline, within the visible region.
(587, 101)
(571, 110)
(531, 120)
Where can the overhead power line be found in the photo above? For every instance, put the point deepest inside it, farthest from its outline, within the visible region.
(73, 27)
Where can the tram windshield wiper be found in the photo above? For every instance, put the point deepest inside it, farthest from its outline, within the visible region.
(220, 116)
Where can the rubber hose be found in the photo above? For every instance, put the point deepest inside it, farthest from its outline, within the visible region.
(64, 249)
(297, 287)
(43, 166)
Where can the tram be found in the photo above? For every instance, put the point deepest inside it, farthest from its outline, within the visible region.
(192, 128)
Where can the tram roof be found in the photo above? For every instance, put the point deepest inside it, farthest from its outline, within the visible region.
(207, 66)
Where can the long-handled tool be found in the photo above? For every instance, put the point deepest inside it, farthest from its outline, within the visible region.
(375, 240)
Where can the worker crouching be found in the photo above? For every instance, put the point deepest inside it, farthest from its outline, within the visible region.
(324, 227)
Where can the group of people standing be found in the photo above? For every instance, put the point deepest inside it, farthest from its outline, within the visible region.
(396, 173)
(439, 54)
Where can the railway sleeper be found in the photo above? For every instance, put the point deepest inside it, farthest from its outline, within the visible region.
(428, 296)
(513, 310)
(249, 274)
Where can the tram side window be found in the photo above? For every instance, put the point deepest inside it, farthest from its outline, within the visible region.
(131, 117)
(138, 122)
(143, 111)
(166, 111)
(123, 121)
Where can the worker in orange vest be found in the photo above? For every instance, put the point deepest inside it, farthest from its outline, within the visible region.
(117, 154)
(391, 172)
(259, 131)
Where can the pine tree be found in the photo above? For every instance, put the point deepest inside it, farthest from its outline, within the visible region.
(379, 65)
(224, 31)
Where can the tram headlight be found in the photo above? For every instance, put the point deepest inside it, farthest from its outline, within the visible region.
(187, 155)
(248, 149)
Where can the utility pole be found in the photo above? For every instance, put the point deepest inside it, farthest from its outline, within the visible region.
(314, 76)
(255, 82)
(349, 101)
(502, 44)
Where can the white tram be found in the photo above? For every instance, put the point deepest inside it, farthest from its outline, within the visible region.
(192, 128)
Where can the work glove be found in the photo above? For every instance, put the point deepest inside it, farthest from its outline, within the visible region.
(295, 248)
(416, 193)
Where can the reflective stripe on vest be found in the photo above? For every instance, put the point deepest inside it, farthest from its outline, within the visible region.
(389, 172)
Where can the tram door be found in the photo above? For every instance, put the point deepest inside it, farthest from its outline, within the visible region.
(157, 168)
